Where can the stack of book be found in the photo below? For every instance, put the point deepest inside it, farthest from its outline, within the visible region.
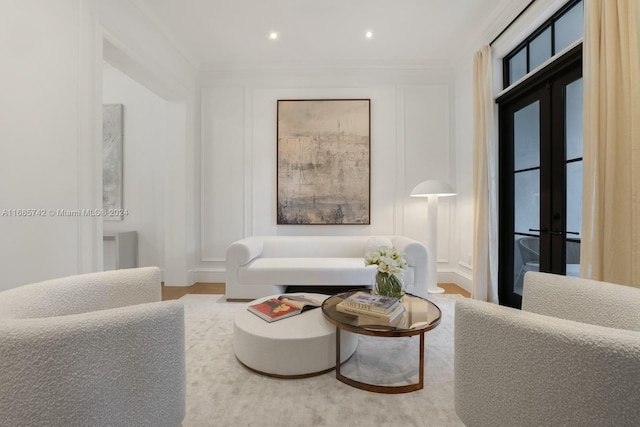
(377, 307)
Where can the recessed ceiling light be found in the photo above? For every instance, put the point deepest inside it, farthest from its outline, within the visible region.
(273, 35)
(368, 34)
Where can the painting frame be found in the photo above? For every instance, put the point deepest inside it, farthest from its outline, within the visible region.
(323, 162)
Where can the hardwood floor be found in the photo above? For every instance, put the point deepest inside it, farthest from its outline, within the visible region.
(175, 292)
(452, 288)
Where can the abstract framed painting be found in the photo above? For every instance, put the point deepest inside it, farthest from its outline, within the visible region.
(112, 136)
(323, 161)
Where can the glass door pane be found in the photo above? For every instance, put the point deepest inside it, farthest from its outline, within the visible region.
(518, 66)
(540, 49)
(526, 194)
(569, 27)
(573, 160)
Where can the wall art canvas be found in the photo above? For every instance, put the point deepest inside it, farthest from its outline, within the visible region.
(323, 161)
(112, 136)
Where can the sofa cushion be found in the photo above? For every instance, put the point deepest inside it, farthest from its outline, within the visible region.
(307, 271)
(313, 246)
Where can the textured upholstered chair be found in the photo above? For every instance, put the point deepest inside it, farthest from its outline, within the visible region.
(92, 350)
(571, 357)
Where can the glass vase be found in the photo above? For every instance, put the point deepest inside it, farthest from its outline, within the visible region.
(388, 284)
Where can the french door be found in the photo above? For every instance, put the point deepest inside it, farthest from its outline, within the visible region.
(540, 196)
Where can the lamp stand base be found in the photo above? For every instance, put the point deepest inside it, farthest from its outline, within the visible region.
(436, 290)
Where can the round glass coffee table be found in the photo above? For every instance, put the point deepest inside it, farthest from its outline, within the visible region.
(420, 316)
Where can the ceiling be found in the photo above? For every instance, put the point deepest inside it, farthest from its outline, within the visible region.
(217, 34)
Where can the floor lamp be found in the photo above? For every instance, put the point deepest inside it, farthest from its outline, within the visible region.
(432, 189)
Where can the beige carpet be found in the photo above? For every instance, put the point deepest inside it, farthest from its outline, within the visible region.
(221, 392)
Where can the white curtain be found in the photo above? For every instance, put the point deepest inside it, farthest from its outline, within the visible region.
(485, 167)
(611, 199)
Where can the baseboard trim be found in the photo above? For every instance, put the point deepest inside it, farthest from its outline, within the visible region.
(210, 275)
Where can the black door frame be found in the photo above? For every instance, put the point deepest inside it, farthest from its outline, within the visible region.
(546, 86)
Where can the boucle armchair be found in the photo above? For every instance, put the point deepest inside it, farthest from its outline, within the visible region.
(92, 350)
(571, 357)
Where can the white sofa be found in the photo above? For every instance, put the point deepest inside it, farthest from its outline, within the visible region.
(97, 349)
(571, 357)
(259, 266)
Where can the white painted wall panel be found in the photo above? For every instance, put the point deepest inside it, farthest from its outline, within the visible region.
(409, 135)
(427, 156)
(39, 166)
(223, 169)
(383, 158)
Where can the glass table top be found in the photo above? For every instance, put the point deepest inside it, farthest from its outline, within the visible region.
(419, 316)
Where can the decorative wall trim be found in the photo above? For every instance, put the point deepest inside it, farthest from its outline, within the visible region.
(210, 275)
(239, 126)
(247, 210)
(398, 219)
(235, 166)
(203, 109)
(465, 265)
(212, 259)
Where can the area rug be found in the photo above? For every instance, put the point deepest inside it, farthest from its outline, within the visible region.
(221, 392)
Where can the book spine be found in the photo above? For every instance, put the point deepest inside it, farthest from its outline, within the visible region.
(358, 305)
(367, 307)
(365, 313)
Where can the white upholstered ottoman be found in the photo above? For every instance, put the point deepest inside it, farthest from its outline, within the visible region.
(298, 346)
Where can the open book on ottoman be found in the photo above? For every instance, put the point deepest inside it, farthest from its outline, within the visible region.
(283, 306)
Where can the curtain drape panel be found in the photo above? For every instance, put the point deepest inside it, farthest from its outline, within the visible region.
(610, 248)
(485, 170)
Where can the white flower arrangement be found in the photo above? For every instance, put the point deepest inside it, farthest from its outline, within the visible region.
(391, 263)
(388, 259)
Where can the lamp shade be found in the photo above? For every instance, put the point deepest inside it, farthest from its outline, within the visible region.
(432, 187)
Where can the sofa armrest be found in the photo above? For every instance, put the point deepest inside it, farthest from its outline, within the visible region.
(416, 256)
(244, 250)
(239, 253)
(414, 251)
(124, 366)
(518, 368)
(582, 300)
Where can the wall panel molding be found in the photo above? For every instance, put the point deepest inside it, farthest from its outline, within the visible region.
(409, 136)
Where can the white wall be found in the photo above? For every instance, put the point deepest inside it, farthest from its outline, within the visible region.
(50, 128)
(222, 183)
(410, 142)
(50, 133)
(144, 164)
(46, 128)
(134, 44)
